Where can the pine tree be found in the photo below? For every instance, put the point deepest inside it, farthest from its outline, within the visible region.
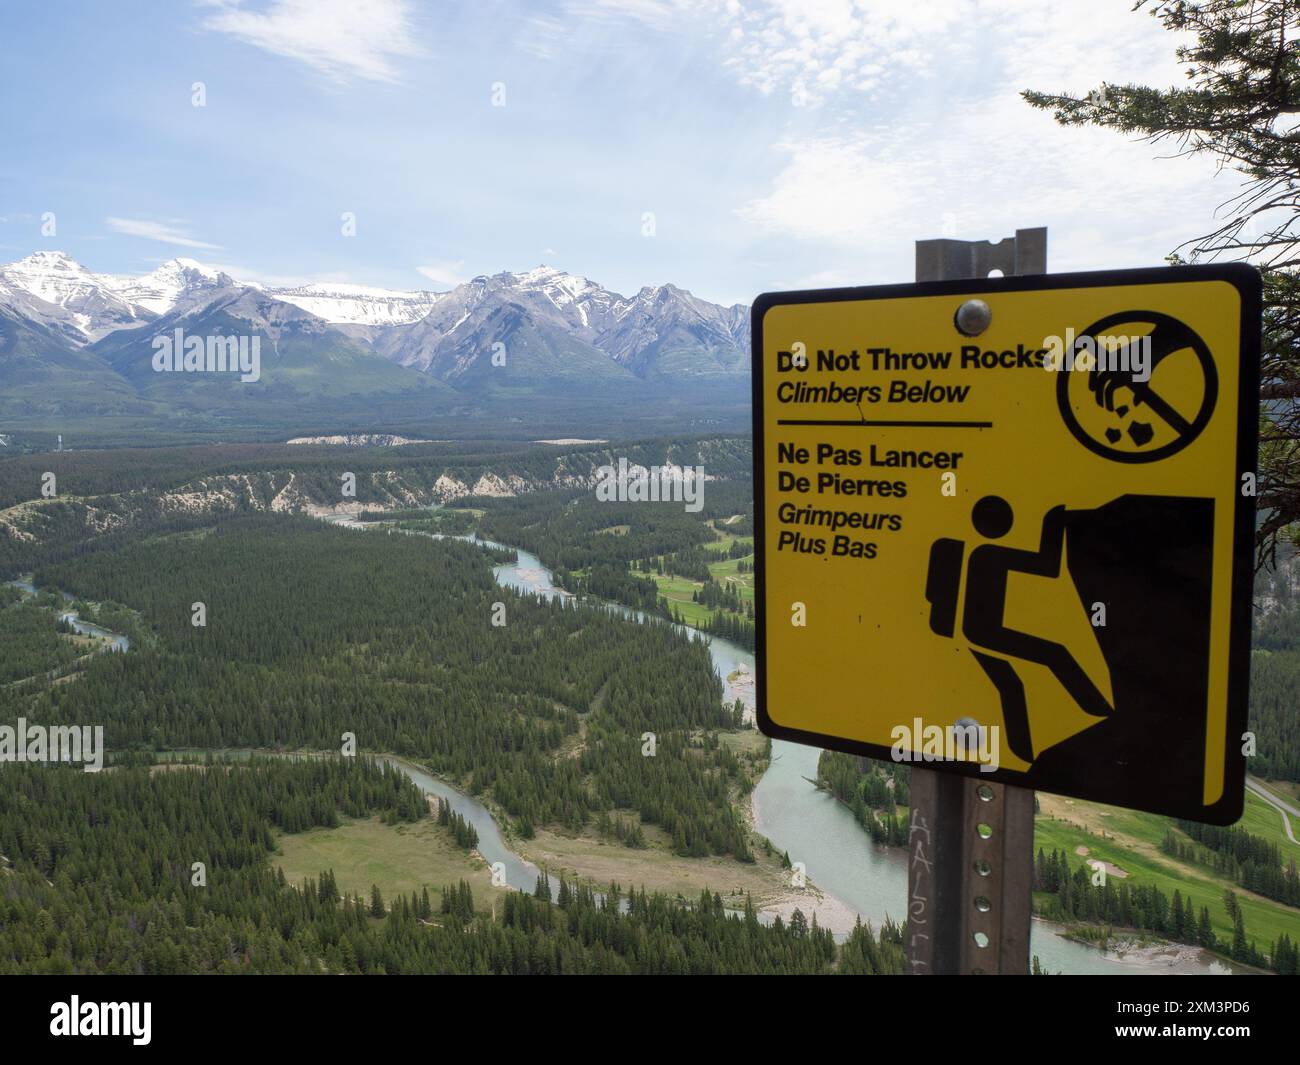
(1240, 951)
(1205, 936)
(1238, 107)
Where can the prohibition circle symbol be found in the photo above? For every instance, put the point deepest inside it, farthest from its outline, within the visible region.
(1135, 409)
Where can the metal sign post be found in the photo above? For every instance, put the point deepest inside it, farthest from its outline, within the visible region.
(964, 488)
(971, 846)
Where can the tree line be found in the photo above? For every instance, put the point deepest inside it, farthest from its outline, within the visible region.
(872, 791)
(1079, 895)
(98, 879)
(1254, 862)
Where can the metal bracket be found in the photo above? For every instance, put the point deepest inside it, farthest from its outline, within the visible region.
(945, 259)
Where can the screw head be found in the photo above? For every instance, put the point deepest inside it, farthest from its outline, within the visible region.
(973, 317)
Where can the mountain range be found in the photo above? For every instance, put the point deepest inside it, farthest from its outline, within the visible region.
(538, 349)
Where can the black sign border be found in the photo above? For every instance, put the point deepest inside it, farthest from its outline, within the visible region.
(1246, 280)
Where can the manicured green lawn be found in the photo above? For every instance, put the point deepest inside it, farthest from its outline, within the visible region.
(678, 590)
(1131, 840)
(1261, 819)
(727, 573)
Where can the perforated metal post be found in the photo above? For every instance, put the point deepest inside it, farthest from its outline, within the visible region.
(971, 845)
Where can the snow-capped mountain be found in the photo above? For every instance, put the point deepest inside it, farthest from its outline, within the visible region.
(85, 306)
(343, 304)
(582, 303)
(660, 330)
(539, 344)
(56, 291)
(414, 328)
(176, 282)
(665, 318)
(449, 336)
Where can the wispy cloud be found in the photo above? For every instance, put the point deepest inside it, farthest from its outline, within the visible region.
(341, 39)
(658, 14)
(810, 49)
(972, 162)
(864, 190)
(814, 49)
(817, 51)
(443, 272)
(542, 36)
(160, 231)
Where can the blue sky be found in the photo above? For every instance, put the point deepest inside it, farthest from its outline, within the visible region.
(777, 144)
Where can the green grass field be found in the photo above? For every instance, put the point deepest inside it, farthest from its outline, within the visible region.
(400, 859)
(727, 572)
(1131, 840)
(1286, 789)
(1264, 820)
(726, 539)
(678, 590)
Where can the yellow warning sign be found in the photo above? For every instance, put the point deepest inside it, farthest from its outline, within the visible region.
(1006, 528)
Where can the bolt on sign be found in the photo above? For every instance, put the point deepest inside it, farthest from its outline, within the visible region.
(1006, 528)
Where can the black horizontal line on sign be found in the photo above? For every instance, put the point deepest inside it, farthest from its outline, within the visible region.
(854, 421)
